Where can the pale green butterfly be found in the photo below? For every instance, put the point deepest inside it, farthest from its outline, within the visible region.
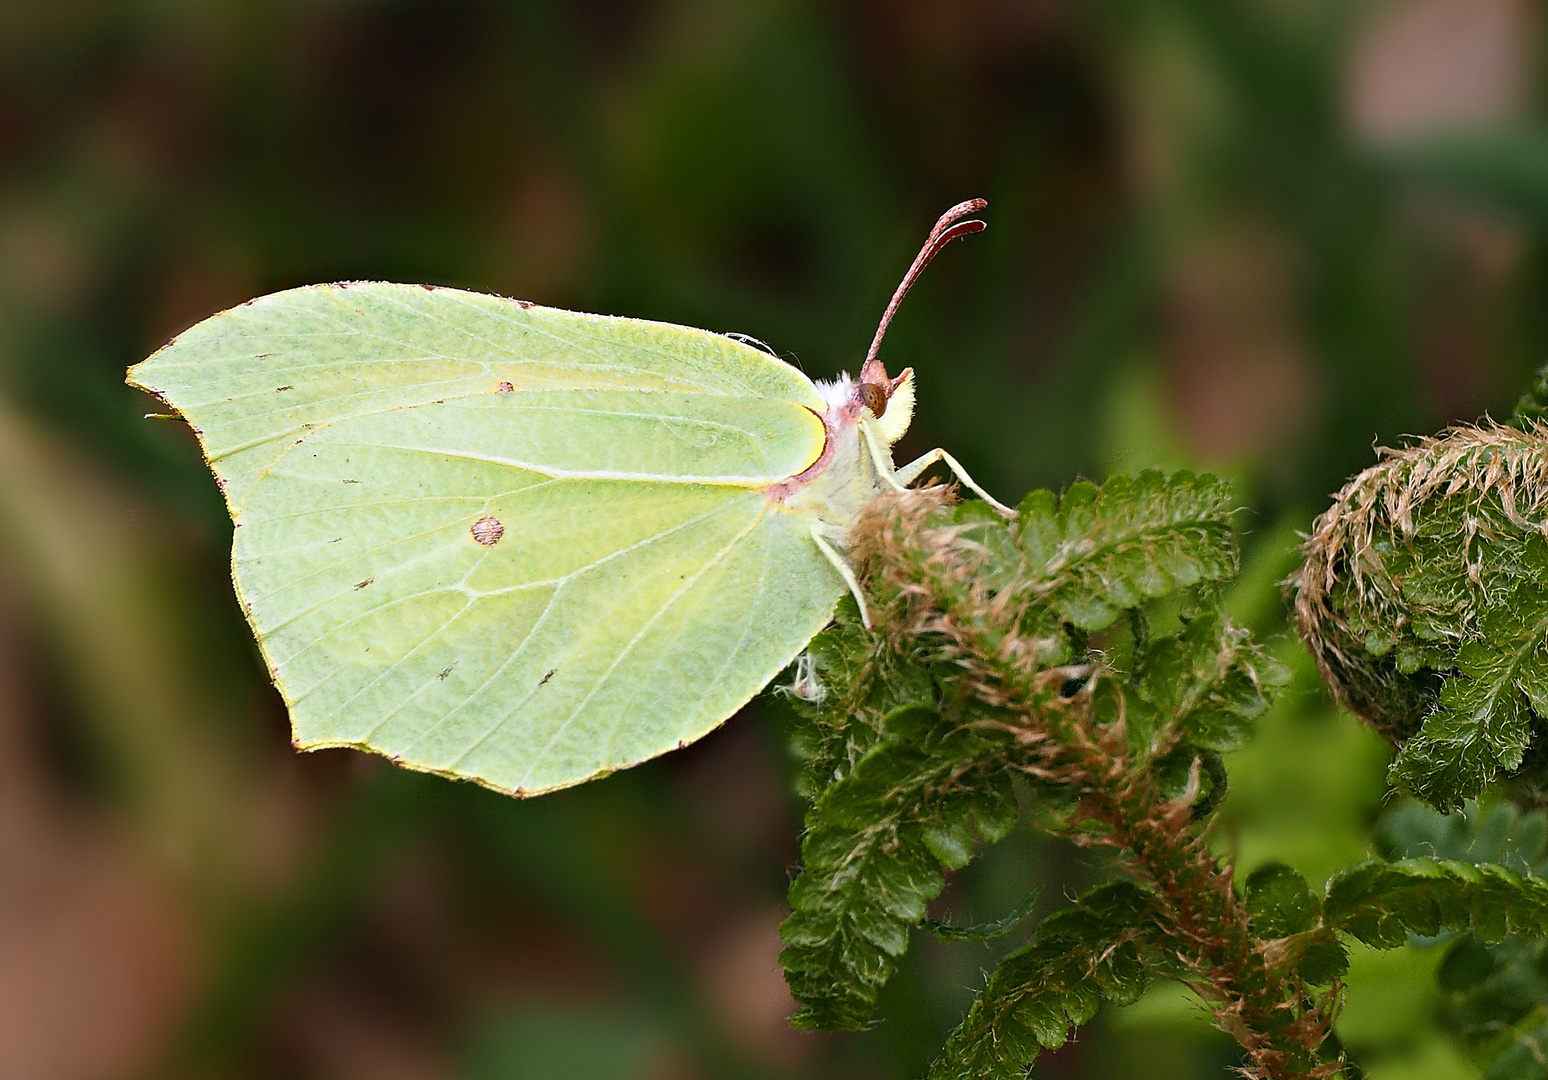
(525, 546)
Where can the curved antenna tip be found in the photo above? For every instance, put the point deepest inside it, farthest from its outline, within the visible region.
(947, 228)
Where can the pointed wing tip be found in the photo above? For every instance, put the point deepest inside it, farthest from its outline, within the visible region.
(134, 380)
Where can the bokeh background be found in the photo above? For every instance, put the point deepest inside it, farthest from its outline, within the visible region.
(1257, 236)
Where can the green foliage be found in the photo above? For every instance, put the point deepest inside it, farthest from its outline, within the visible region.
(1381, 903)
(985, 931)
(998, 652)
(876, 842)
(1495, 996)
(1496, 1002)
(1423, 599)
(1385, 904)
(1482, 724)
(1279, 902)
(1532, 409)
(1092, 951)
(1097, 552)
(1206, 683)
(1082, 648)
(1502, 834)
(1282, 909)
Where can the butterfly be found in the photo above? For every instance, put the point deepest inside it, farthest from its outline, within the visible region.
(526, 546)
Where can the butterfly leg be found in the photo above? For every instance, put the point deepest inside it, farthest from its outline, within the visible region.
(901, 478)
(842, 566)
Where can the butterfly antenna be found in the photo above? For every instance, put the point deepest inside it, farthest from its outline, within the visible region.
(948, 228)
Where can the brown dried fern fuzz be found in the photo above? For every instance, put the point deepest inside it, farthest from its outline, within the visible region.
(904, 545)
(1345, 572)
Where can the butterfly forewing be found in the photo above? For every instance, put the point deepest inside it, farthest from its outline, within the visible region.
(254, 379)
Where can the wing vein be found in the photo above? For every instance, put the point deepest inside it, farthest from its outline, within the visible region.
(559, 584)
(676, 595)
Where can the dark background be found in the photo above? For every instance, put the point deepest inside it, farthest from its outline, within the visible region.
(1250, 235)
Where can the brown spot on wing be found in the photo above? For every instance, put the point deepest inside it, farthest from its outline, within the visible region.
(487, 530)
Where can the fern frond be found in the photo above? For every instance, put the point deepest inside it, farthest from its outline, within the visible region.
(1422, 597)
(1097, 552)
(1382, 903)
(1209, 683)
(873, 855)
(995, 655)
(1494, 996)
(1098, 949)
(1482, 724)
(986, 931)
(1502, 834)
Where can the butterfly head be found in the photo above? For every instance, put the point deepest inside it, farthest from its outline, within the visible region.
(890, 403)
(886, 402)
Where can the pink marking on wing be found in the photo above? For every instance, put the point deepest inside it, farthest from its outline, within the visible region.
(783, 489)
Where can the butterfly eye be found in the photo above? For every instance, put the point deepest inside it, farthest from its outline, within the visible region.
(874, 398)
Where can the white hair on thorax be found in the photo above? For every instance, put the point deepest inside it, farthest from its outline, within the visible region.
(836, 392)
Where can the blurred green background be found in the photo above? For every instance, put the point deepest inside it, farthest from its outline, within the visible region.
(1248, 235)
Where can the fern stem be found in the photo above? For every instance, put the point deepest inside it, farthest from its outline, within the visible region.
(931, 602)
(1206, 925)
(1201, 919)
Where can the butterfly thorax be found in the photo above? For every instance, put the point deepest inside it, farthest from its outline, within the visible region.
(843, 479)
(844, 484)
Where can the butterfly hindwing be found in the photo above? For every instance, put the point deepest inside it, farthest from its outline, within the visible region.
(499, 542)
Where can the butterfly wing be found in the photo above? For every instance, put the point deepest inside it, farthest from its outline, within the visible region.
(502, 542)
